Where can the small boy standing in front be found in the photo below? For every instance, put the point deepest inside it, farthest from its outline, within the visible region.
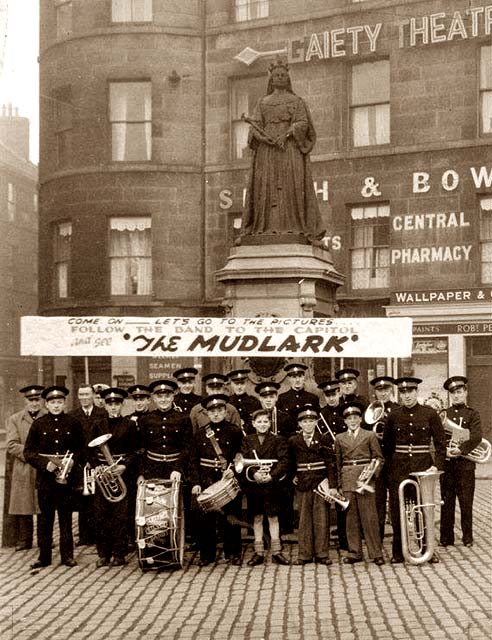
(264, 486)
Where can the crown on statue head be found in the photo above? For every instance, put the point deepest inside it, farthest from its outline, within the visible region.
(279, 62)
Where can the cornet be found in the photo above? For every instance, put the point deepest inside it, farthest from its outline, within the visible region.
(61, 466)
(330, 495)
(375, 415)
(482, 451)
(89, 481)
(366, 475)
(252, 465)
(109, 482)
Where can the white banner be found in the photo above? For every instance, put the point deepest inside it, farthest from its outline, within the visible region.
(201, 337)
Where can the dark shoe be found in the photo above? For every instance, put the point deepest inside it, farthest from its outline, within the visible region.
(118, 562)
(467, 544)
(203, 563)
(102, 562)
(256, 560)
(69, 562)
(299, 562)
(279, 558)
(446, 544)
(24, 547)
(39, 565)
(325, 561)
(351, 560)
(235, 560)
(434, 559)
(378, 561)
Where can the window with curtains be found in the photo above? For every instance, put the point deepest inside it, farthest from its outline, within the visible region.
(130, 113)
(486, 239)
(250, 9)
(369, 252)
(63, 18)
(11, 201)
(130, 256)
(62, 116)
(486, 89)
(370, 103)
(131, 10)
(245, 93)
(62, 259)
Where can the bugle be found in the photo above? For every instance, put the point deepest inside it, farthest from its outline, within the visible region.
(366, 476)
(480, 454)
(89, 484)
(108, 480)
(252, 465)
(61, 465)
(417, 517)
(330, 495)
(374, 415)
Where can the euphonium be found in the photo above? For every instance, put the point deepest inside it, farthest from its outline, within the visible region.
(366, 475)
(417, 517)
(109, 482)
(331, 495)
(253, 465)
(89, 481)
(374, 415)
(480, 454)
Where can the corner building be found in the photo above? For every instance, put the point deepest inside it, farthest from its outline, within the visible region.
(144, 163)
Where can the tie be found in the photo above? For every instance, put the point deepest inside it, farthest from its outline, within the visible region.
(87, 413)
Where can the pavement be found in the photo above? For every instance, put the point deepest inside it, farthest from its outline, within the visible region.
(449, 600)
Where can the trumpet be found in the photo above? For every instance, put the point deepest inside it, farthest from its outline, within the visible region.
(366, 475)
(417, 517)
(61, 466)
(252, 465)
(375, 415)
(108, 480)
(480, 454)
(89, 481)
(330, 495)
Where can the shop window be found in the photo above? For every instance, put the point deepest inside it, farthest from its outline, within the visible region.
(62, 259)
(62, 116)
(245, 93)
(486, 239)
(250, 9)
(11, 201)
(63, 19)
(131, 10)
(370, 103)
(486, 89)
(369, 253)
(130, 109)
(130, 256)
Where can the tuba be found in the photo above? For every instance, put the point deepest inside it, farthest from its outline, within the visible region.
(375, 415)
(108, 480)
(459, 434)
(417, 517)
(331, 495)
(252, 465)
(366, 475)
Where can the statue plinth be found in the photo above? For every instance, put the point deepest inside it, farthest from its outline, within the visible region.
(285, 280)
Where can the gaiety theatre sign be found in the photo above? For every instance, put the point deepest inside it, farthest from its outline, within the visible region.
(435, 28)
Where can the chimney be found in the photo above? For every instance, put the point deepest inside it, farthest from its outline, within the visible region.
(14, 131)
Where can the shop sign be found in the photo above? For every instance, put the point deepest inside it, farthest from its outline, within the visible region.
(125, 380)
(470, 328)
(437, 296)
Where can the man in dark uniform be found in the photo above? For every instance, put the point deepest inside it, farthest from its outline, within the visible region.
(112, 516)
(98, 399)
(243, 401)
(408, 434)
(186, 398)
(348, 379)
(330, 414)
(51, 440)
(89, 417)
(458, 480)
(383, 390)
(140, 394)
(297, 396)
(215, 383)
(209, 463)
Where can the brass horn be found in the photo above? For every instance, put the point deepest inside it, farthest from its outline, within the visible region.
(366, 475)
(89, 485)
(61, 465)
(331, 495)
(480, 454)
(108, 480)
(375, 415)
(264, 465)
(417, 517)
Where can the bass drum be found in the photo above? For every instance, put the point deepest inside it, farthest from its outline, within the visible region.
(159, 519)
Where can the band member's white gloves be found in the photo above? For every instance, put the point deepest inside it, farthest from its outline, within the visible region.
(175, 476)
(51, 466)
(196, 491)
(140, 480)
(431, 469)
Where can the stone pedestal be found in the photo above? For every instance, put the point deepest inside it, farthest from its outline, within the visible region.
(285, 280)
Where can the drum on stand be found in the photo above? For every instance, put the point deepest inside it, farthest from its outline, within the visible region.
(159, 519)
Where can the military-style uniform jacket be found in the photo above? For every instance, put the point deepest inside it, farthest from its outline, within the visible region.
(245, 404)
(165, 438)
(312, 463)
(389, 407)
(333, 418)
(122, 444)
(282, 423)
(355, 397)
(53, 435)
(272, 448)
(23, 499)
(291, 400)
(206, 467)
(469, 419)
(136, 416)
(199, 416)
(353, 454)
(407, 438)
(186, 401)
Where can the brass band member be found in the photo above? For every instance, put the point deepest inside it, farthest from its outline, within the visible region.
(215, 384)
(313, 460)
(140, 394)
(458, 480)
(53, 446)
(296, 397)
(241, 399)
(112, 517)
(348, 379)
(355, 449)
(22, 500)
(407, 438)
(207, 468)
(186, 398)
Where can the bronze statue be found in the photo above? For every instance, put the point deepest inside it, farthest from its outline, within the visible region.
(281, 204)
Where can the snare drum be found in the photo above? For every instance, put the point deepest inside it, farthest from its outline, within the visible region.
(218, 494)
(159, 523)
